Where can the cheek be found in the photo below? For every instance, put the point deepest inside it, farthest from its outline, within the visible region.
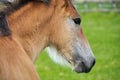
(62, 36)
(64, 44)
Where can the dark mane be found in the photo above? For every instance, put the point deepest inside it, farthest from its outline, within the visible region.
(6, 8)
(9, 6)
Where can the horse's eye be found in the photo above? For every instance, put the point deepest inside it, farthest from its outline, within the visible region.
(77, 21)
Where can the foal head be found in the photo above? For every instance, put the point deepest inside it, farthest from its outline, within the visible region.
(67, 43)
(65, 39)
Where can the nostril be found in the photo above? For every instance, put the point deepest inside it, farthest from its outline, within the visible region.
(77, 21)
(82, 63)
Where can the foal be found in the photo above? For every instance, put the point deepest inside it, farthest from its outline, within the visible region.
(35, 25)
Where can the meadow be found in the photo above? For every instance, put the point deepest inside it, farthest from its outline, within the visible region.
(103, 33)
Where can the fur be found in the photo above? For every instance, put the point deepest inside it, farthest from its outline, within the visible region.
(56, 56)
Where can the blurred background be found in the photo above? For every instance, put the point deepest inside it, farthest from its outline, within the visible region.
(101, 25)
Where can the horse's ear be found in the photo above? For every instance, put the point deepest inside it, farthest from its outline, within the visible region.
(4, 28)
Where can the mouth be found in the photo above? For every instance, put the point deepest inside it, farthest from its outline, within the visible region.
(81, 67)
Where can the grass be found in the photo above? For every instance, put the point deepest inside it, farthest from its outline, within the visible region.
(103, 33)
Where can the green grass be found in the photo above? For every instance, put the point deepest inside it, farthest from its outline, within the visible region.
(103, 33)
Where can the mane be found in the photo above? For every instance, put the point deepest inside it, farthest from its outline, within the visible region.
(9, 6)
(6, 8)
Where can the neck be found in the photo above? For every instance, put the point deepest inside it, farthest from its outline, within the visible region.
(29, 28)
